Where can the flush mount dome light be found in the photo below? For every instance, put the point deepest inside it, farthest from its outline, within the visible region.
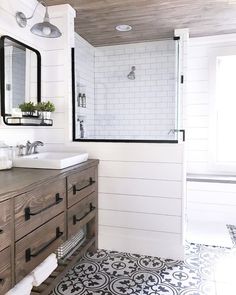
(123, 28)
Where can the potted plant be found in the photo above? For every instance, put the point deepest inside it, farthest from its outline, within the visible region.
(45, 108)
(28, 109)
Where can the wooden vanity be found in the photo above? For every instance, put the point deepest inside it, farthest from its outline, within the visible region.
(39, 210)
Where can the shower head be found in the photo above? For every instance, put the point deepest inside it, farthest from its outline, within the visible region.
(131, 75)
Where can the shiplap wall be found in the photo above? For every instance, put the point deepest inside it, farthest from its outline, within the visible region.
(197, 112)
(8, 26)
(140, 197)
(213, 203)
(206, 202)
(56, 57)
(56, 76)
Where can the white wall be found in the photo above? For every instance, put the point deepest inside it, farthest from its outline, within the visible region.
(140, 197)
(212, 202)
(206, 202)
(198, 111)
(55, 53)
(143, 108)
(85, 68)
(8, 26)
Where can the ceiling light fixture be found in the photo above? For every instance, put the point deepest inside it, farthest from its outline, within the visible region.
(123, 28)
(43, 29)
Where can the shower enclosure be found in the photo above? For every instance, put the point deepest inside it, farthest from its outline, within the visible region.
(127, 92)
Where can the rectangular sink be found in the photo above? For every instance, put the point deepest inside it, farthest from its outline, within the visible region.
(50, 160)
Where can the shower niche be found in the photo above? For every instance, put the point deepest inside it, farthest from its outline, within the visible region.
(81, 97)
(131, 93)
(80, 110)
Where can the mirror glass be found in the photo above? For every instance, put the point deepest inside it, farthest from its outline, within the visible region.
(20, 76)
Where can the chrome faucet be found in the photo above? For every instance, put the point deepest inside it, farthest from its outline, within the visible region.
(31, 148)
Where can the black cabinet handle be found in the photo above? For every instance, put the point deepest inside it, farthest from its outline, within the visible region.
(1, 231)
(91, 182)
(28, 253)
(91, 208)
(28, 213)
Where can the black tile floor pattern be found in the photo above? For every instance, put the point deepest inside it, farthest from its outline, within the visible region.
(232, 232)
(206, 270)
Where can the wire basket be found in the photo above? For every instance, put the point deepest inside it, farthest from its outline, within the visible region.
(68, 248)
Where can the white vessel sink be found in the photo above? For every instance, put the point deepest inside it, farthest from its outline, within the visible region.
(50, 160)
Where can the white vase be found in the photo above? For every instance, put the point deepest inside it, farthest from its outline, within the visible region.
(45, 115)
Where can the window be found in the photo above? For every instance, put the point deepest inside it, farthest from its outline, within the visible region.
(223, 129)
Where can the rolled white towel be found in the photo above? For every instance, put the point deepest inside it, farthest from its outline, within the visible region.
(43, 271)
(24, 287)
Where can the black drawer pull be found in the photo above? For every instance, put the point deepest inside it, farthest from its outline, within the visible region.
(1, 231)
(28, 213)
(28, 253)
(91, 208)
(91, 182)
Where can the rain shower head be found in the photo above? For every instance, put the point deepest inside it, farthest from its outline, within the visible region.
(131, 75)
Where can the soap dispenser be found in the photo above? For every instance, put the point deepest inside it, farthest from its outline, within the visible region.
(6, 156)
(81, 125)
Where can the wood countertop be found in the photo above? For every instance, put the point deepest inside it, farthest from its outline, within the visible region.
(20, 180)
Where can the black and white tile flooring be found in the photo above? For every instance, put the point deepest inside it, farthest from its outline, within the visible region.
(108, 273)
(232, 232)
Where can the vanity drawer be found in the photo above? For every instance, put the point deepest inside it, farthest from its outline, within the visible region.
(38, 206)
(5, 271)
(5, 224)
(81, 213)
(80, 185)
(36, 246)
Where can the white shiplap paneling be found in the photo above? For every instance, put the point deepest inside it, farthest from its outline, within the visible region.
(141, 170)
(140, 204)
(142, 242)
(141, 221)
(142, 187)
(197, 104)
(137, 200)
(213, 203)
(56, 66)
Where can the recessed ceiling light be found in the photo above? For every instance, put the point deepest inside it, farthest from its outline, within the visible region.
(123, 28)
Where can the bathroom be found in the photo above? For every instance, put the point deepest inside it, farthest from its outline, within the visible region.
(133, 153)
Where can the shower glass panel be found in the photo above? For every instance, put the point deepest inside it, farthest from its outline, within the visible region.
(127, 92)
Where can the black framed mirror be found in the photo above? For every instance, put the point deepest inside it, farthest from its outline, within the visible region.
(20, 75)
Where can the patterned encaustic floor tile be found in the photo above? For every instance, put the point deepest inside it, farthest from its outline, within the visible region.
(109, 272)
(232, 232)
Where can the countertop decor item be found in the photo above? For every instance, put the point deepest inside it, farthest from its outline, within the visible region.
(28, 109)
(6, 156)
(45, 109)
(44, 29)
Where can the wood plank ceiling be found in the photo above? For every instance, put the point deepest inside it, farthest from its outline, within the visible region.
(151, 19)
